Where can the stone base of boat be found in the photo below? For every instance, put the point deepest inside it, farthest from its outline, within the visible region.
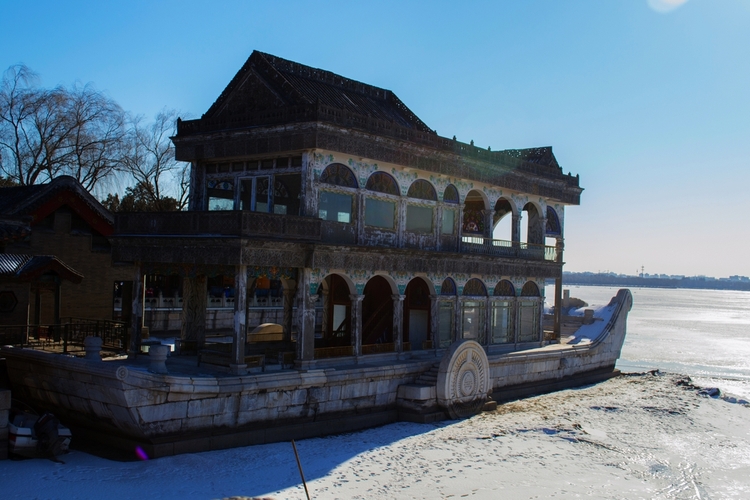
(119, 446)
(127, 404)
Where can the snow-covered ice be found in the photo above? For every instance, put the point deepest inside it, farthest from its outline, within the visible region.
(636, 436)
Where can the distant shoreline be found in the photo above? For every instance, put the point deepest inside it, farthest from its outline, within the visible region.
(607, 280)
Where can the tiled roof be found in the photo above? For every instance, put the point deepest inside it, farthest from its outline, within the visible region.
(297, 84)
(28, 267)
(13, 229)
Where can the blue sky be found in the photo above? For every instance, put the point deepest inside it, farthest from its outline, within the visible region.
(648, 100)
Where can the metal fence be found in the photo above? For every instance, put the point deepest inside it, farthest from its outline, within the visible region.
(69, 333)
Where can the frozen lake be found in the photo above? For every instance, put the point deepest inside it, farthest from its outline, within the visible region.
(636, 436)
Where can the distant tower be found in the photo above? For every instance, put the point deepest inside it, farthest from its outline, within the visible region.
(642, 269)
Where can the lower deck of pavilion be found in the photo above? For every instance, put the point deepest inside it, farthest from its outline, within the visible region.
(313, 316)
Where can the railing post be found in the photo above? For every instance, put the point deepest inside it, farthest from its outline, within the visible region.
(65, 339)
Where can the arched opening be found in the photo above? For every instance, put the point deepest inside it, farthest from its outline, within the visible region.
(419, 217)
(381, 211)
(529, 305)
(377, 316)
(553, 229)
(473, 222)
(534, 232)
(503, 220)
(337, 205)
(417, 315)
(334, 324)
(446, 313)
(473, 310)
(450, 211)
(501, 316)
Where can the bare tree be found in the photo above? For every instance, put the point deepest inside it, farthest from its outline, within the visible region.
(150, 159)
(45, 133)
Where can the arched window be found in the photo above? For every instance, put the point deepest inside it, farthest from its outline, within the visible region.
(530, 290)
(339, 175)
(451, 194)
(448, 287)
(553, 223)
(475, 288)
(423, 190)
(382, 183)
(505, 289)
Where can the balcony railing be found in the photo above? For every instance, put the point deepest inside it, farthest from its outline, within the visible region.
(503, 248)
(220, 223)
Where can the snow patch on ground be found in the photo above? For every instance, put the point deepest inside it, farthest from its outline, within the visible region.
(635, 436)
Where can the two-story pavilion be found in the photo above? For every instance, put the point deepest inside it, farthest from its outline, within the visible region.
(375, 236)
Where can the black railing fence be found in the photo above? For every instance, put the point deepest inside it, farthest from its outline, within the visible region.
(69, 333)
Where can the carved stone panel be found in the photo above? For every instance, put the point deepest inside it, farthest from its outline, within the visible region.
(463, 382)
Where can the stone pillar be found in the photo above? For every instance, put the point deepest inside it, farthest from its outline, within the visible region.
(434, 321)
(515, 229)
(93, 348)
(309, 194)
(439, 225)
(288, 308)
(305, 321)
(194, 297)
(460, 232)
(401, 220)
(558, 290)
(458, 327)
(136, 321)
(157, 355)
(356, 317)
(237, 364)
(487, 322)
(359, 215)
(398, 321)
(325, 298)
(488, 215)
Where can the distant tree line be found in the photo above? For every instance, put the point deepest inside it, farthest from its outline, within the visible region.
(571, 278)
(81, 132)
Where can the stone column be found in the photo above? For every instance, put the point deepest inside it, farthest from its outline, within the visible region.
(305, 321)
(487, 323)
(309, 194)
(325, 302)
(359, 215)
(558, 289)
(401, 220)
(460, 232)
(458, 327)
(515, 230)
(439, 225)
(288, 307)
(356, 318)
(434, 321)
(194, 297)
(398, 321)
(488, 215)
(237, 365)
(136, 321)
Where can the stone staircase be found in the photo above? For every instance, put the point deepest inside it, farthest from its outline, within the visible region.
(417, 402)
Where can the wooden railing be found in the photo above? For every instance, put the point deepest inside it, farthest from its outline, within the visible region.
(503, 248)
(378, 348)
(334, 352)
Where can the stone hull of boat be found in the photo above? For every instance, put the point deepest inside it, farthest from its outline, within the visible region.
(168, 414)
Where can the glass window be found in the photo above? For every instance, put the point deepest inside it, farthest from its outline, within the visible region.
(261, 194)
(220, 195)
(380, 213)
(335, 206)
(449, 219)
(418, 219)
(472, 319)
(528, 321)
(445, 324)
(502, 332)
